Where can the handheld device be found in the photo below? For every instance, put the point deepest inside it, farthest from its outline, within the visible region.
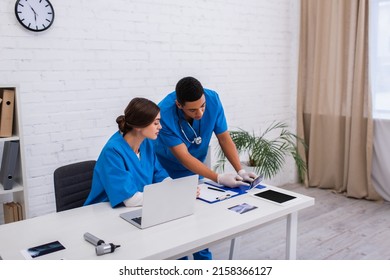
(275, 196)
(256, 182)
(105, 248)
(93, 239)
(101, 247)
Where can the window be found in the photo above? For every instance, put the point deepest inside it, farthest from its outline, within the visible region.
(379, 45)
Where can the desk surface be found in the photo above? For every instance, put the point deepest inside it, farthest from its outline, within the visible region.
(210, 224)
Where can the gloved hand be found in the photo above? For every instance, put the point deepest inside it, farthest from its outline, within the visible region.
(168, 179)
(231, 180)
(247, 176)
(136, 200)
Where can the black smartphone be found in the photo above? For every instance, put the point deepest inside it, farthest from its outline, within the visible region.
(275, 196)
(44, 249)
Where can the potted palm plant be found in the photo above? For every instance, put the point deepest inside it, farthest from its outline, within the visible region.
(266, 154)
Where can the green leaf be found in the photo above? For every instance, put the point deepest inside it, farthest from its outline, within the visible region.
(267, 154)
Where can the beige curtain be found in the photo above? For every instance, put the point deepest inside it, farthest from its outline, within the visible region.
(334, 103)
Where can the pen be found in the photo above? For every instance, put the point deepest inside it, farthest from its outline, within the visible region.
(216, 189)
(223, 197)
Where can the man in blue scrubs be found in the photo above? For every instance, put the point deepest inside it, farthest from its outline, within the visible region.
(189, 117)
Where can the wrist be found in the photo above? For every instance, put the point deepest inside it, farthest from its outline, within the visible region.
(214, 177)
(218, 177)
(135, 200)
(241, 171)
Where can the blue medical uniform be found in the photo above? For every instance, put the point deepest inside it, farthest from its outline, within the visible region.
(171, 134)
(119, 173)
(173, 121)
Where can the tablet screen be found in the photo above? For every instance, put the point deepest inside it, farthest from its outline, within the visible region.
(274, 196)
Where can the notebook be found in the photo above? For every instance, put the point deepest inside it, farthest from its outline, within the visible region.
(165, 201)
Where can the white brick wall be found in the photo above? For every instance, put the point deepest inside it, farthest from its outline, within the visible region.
(77, 77)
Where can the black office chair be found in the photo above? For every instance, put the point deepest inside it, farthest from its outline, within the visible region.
(72, 184)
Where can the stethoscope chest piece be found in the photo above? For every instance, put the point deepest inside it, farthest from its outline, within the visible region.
(198, 140)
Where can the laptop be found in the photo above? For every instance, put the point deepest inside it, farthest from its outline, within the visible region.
(165, 201)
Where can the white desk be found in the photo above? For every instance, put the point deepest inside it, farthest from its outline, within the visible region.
(211, 224)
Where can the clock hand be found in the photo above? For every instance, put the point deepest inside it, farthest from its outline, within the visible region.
(35, 13)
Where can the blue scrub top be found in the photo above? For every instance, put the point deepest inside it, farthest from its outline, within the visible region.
(119, 173)
(172, 121)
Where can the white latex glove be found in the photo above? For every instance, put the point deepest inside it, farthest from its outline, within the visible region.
(231, 180)
(247, 176)
(168, 179)
(136, 200)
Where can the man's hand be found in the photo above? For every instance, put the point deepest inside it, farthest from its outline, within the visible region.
(247, 176)
(231, 180)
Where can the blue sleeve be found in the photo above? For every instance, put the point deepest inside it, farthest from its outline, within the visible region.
(119, 183)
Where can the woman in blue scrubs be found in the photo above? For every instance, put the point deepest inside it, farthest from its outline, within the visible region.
(128, 162)
(188, 125)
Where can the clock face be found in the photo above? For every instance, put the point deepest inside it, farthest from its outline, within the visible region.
(35, 15)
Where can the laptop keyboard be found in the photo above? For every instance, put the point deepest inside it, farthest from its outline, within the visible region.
(137, 220)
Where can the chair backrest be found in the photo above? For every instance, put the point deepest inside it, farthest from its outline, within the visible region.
(72, 184)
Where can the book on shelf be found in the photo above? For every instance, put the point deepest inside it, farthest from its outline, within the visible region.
(7, 105)
(20, 211)
(8, 213)
(12, 212)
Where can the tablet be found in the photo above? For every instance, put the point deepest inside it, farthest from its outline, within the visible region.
(274, 196)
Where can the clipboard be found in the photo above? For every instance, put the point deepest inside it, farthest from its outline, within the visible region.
(209, 195)
(213, 194)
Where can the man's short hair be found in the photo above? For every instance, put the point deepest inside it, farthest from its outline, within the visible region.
(188, 89)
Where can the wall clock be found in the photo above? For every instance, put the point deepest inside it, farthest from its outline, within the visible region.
(35, 15)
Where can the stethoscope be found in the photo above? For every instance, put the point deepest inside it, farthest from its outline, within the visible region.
(197, 139)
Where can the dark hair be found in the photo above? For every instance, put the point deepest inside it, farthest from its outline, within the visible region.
(139, 113)
(188, 89)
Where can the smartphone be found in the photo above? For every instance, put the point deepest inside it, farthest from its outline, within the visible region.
(44, 249)
(256, 182)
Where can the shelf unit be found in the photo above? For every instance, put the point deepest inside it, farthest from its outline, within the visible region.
(18, 192)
